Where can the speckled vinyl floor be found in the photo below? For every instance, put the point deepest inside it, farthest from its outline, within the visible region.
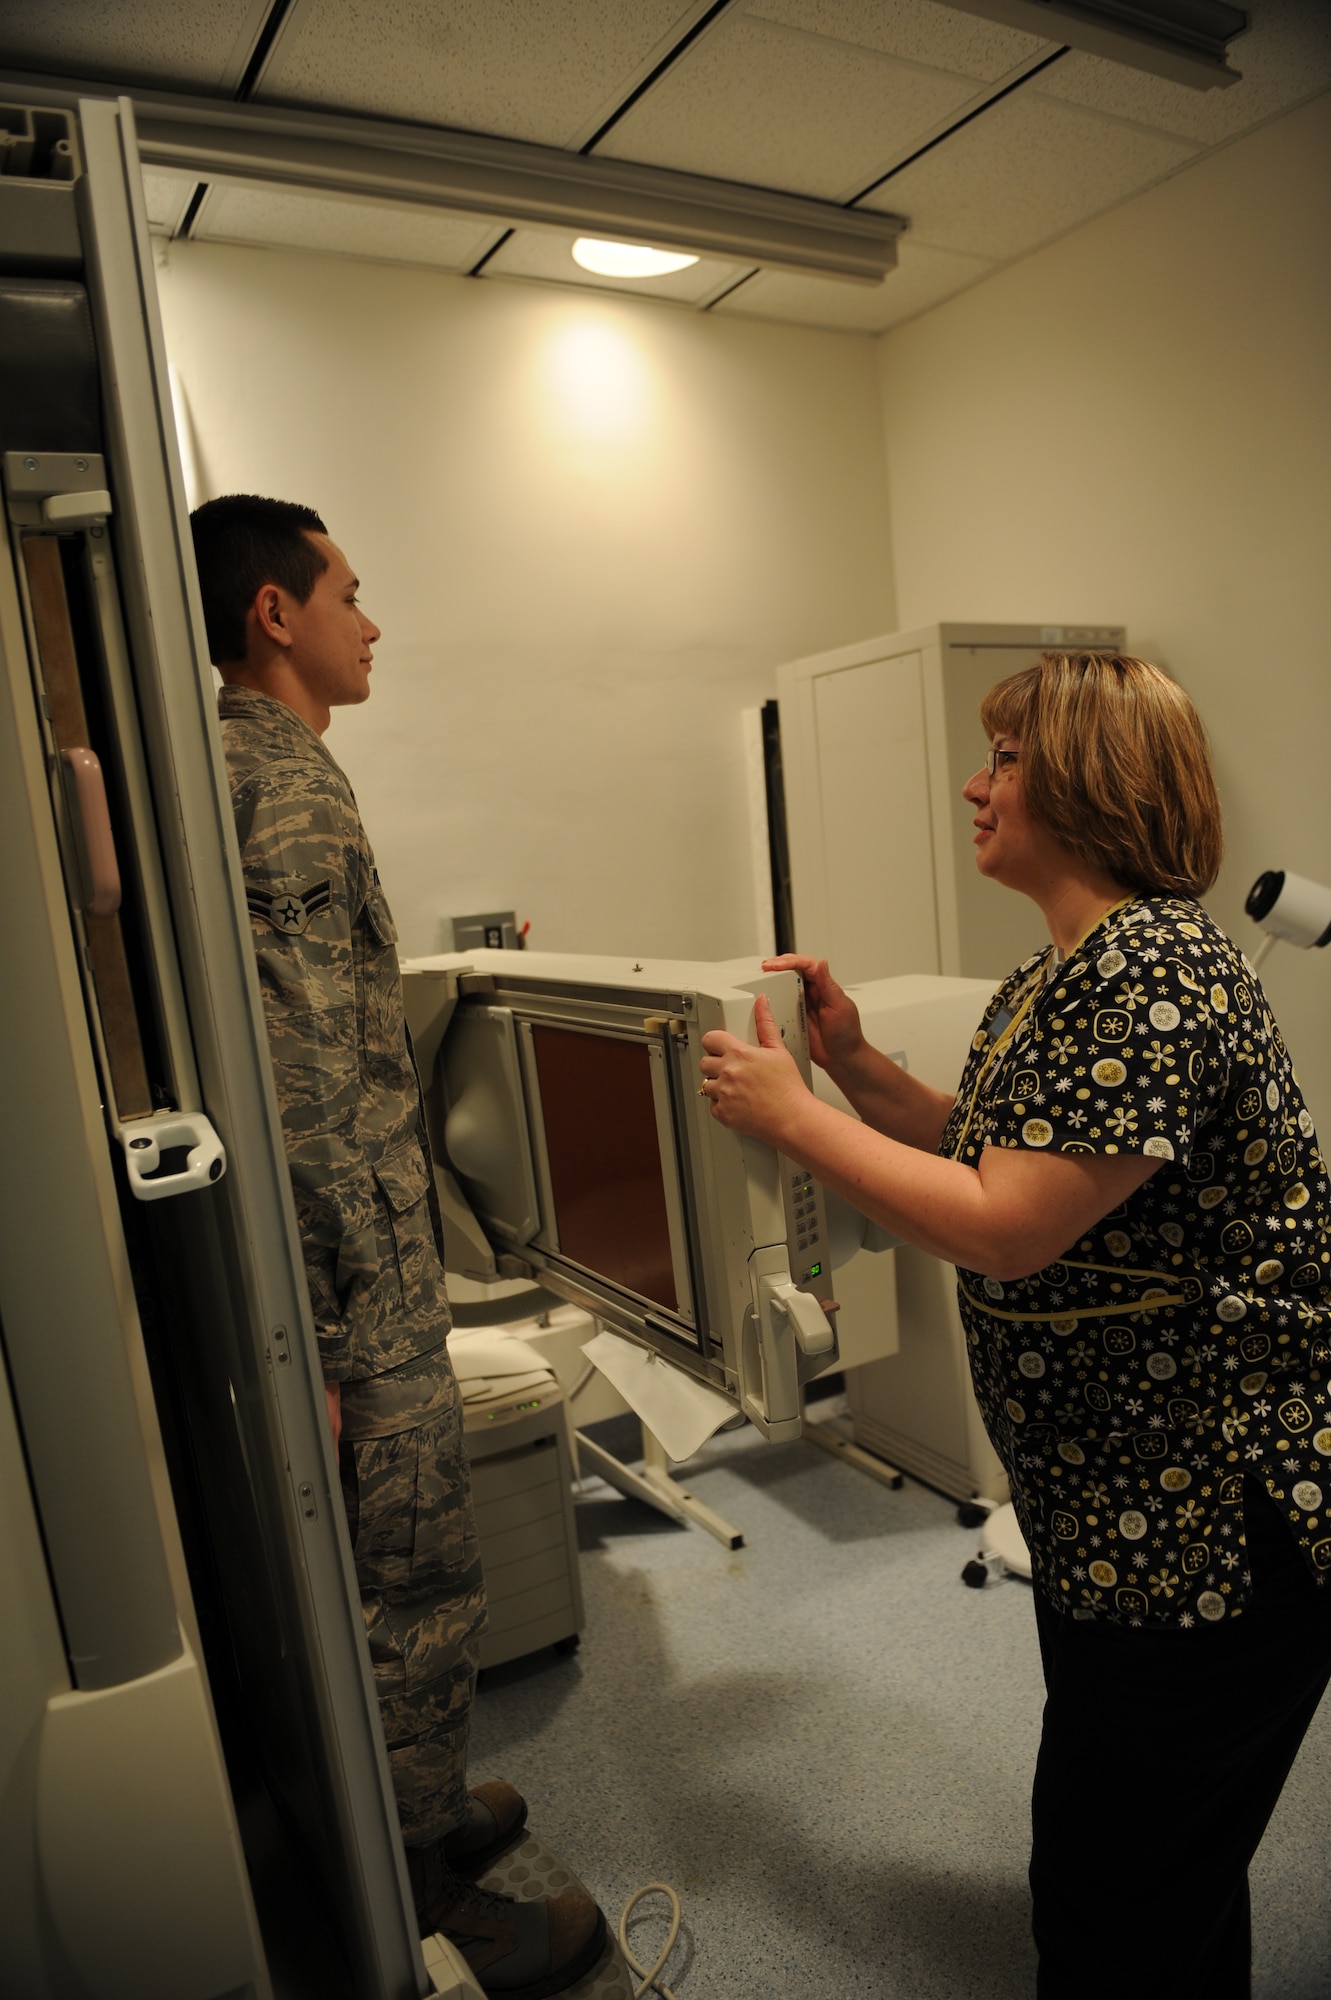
(824, 1741)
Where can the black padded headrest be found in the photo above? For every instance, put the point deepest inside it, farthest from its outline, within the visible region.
(49, 394)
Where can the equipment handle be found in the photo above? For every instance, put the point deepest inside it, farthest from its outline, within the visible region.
(808, 1322)
(197, 1155)
(87, 793)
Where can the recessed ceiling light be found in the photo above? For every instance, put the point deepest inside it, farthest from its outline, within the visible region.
(627, 260)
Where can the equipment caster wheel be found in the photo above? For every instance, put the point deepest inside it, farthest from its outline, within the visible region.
(970, 1515)
(569, 1644)
(975, 1575)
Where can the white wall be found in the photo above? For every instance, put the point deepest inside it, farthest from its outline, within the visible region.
(591, 529)
(1135, 425)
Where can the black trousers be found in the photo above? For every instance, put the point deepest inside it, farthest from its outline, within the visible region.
(1162, 1758)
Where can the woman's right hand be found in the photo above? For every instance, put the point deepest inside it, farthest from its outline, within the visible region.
(835, 1034)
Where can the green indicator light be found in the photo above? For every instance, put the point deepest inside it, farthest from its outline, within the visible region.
(815, 1270)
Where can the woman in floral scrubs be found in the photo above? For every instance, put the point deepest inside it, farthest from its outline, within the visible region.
(1130, 1186)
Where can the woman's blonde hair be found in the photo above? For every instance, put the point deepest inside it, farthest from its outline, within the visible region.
(1115, 762)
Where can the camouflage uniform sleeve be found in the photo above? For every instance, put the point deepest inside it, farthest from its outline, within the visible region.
(301, 848)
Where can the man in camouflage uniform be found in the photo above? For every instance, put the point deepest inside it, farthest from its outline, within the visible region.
(291, 642)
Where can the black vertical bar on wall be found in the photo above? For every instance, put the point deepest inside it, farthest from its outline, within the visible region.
(778, 845)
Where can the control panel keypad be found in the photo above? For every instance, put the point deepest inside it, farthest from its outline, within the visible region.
(805, 1209)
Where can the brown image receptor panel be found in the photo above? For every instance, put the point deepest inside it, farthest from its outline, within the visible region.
(605, 1159)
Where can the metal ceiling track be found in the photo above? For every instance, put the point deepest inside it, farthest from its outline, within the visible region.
(1185, 41)
(360, 159)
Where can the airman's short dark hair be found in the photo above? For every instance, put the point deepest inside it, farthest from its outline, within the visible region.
(242, 542)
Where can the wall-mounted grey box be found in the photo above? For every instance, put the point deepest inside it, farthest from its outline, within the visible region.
(492, 930)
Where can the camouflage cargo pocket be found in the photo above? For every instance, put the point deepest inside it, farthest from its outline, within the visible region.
(403, 1178)
(415, 1549)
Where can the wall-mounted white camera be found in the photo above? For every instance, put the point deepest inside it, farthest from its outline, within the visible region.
(1290, 907)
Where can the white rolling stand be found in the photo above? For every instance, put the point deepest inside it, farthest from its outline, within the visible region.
(521, 1481)
(917, 1410)
(1002, 1551)
(916, 1407)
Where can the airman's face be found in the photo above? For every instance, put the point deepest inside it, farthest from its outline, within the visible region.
(331, 638)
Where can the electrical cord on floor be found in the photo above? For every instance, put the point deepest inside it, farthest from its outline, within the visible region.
(650, 1980)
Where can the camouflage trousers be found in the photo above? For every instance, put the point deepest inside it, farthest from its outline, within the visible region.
(408, 1498)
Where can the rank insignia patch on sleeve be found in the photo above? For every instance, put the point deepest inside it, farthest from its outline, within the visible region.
(287, 912)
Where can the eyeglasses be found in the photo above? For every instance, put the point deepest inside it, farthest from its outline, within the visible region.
(997, 758)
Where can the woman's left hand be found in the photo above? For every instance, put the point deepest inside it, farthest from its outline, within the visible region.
(756, 1091)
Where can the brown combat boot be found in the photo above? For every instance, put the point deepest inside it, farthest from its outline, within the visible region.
(517, 1950)
(496, 1819)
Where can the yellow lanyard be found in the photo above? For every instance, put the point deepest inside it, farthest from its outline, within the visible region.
(1039, 979)
(996, 1050)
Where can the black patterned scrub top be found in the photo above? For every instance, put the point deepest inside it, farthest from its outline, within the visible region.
(1186, 1340)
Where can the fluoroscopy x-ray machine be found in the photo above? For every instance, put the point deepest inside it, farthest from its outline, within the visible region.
(573, 1149)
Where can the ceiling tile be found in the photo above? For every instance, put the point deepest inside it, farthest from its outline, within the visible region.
(543, 70)
(1285, 57)
(923, 278)
(917, 30)
(766, 104)
(394, 235)
(1025, 172)
(204, 43)
(548, 253)
(167, 196)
